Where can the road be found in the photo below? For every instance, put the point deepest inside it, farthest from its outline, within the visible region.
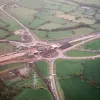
(83, 38)
(78, 44)
(53, 84)
(34, 38)
(61, 55)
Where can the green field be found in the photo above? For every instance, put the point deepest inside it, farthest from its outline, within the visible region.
(13, 24)
(49, 17)
(43, 67)
(76, 53)
(10, 66)
(63, 34)
(96, 2)
(30, 94)
(97, 16)
(24, 15)
(67, 8)
(3, 33)
(93, 45)
(53, 35)
(5, 48)
(32, 4)
(75, 88)
(2, 23)
(96, 26)
(66, 68)
(14, 37)
(39, 4)
(50, 26)
(36, 15)
(18, 81)
(92, 70)
(36, 23)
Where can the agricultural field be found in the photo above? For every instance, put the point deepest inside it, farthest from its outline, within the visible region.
(14, 37)
(52, 15)
(67, 8)
(96, 2)
(3, 33)
(43, 67)
(75, 89)
(5, 48)
(50, 26)
(57, 22)
(92, 70)
(93, 45)
(77, 53)
(8, 21)
(10, 78)
(31, 94)
(11, 66)
(10, 25)
(53, 35)
(96, 26)
(73, 86)
(65, 68)
(63, 34)
(24, 15)
(36, 23)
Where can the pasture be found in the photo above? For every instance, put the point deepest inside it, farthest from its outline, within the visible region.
(93, 45)
(76, 89)
(77, 53)
(31, 94)
(43, 67)
(73, 86)
(66, 68)
(5, 48)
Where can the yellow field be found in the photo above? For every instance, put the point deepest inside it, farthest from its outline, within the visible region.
(73, 18)
(65, 16)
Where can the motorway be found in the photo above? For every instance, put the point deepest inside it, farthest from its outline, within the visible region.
(35, 40)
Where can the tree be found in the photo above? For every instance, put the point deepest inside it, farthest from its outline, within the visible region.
(73, 32)
(47, 35)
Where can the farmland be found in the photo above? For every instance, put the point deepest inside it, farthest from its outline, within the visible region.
(54, 15)
(73, 84)
(66, 69)
(28, 94)
(63, 34)
(75, 89)
(43, 66)
(26, 15)
(94, 45)
(76, 53)
(38, 52)
(10, 25)
(5, 48)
